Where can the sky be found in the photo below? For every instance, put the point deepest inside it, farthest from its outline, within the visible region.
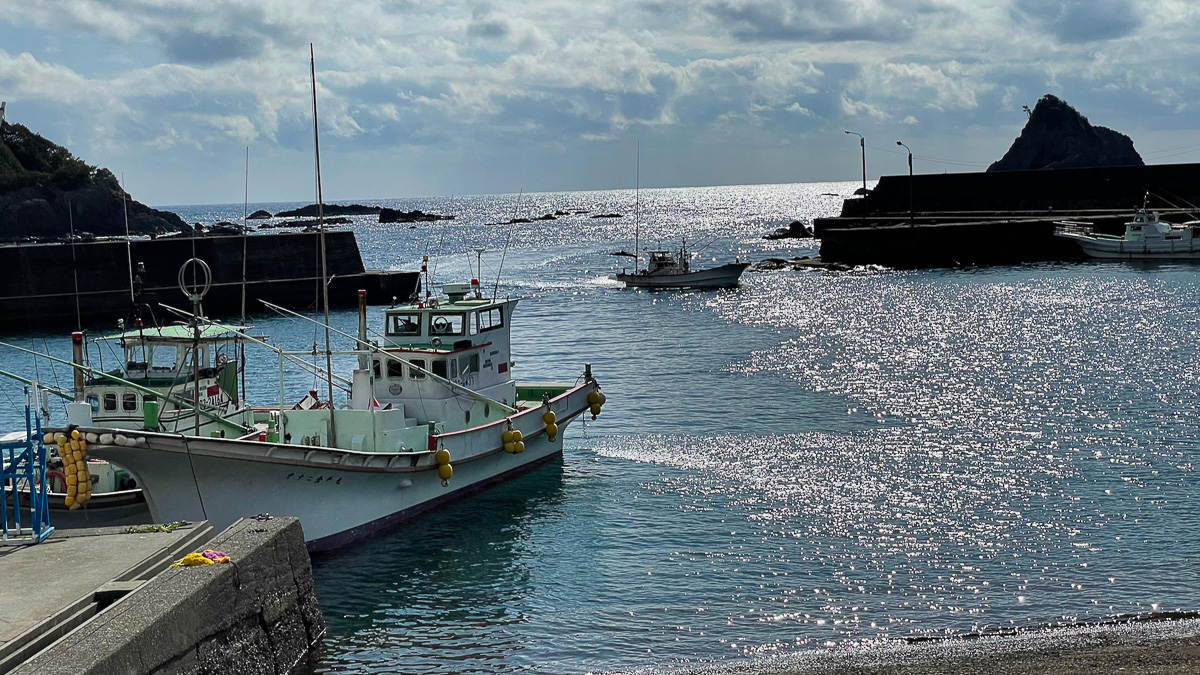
(421, 98)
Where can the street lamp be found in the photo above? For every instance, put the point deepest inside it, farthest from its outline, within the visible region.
(862, 143)
(910, 184)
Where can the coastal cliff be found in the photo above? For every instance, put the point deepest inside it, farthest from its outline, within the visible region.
(45, 190)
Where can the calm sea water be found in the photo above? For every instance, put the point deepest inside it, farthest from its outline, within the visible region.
(810, 459)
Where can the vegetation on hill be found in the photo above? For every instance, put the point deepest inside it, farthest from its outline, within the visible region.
(45, 190)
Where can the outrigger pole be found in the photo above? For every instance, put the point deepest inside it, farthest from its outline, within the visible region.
(79, 367)
(321, 228)
(376, 350)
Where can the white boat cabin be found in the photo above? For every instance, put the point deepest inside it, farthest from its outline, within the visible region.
(160, 359)
(462, 337)
(665, 262)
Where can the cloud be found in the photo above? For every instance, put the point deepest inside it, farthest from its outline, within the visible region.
(1080, 20)
(798, 20)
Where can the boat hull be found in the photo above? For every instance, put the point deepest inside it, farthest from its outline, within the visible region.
(1115, 249)
(725, 276)
(339, 495)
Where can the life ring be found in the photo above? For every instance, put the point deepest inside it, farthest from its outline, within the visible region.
(56, 481)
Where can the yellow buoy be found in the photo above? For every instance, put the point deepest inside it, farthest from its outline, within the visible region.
(445, 471)
(593, 397)
(71, 479)
(507, 436)
(81, 466)
(70, 500)
(510, 447)
(75, 435)
(519, 447)
(549, 417)
(603, 398)
(517, 436)
(48, 439)
(595, 409)
(442, 456)
(552, 430)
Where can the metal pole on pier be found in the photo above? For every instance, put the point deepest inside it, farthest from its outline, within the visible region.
(911, 223)
(862, 143)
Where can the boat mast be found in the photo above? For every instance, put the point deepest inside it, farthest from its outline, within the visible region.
(637, 184)
(128, 244)
(312, 62)
(245, 237)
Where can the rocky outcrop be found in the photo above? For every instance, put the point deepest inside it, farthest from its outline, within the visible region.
(310, 211)
(794, 230)
(387, 215)
(1058, 137)
(45, 191)
(259, 215)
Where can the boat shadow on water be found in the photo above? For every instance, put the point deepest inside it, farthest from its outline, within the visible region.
(461, 564)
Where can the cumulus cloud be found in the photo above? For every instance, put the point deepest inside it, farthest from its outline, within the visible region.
(568, 75)
(1080, 20)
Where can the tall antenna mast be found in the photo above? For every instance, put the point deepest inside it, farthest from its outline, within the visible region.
(128, 245)
(245, 241)
(637, 208)
(312, 61)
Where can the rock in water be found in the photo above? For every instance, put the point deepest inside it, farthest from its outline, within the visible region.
(1058, 137)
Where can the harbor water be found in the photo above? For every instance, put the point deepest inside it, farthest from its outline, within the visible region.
(812, 459)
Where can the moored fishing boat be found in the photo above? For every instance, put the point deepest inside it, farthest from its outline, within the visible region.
(433, 414)
(1146, 237)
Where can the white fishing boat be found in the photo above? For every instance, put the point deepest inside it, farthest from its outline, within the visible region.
(665, 269)
(433, 414)
(1146, 238)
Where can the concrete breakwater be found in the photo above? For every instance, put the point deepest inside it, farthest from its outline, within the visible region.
(256, 614)
(48, 285)
(995, 218)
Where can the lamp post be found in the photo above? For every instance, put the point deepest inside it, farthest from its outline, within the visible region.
(910, 184)
(862, 143)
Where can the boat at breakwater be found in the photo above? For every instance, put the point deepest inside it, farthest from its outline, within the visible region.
(1145, 238)
(1002, 217)
(63, 284)
(433, 414)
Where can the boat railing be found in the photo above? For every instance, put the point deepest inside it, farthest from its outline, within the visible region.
(1073, 227)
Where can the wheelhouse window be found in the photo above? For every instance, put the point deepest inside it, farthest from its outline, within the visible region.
(439, 368)
(446, 324)
(395, 370)
(129, 402)
(490, 319)
(375, 367)
(404, 324)
(110, 402)
(468, 365)
(413, 372)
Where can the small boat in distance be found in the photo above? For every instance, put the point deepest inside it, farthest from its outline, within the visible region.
(665, 269)
(1146, 238)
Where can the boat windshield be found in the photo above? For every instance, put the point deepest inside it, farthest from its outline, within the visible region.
(404, 324)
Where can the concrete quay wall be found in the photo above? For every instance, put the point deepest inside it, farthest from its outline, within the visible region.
(257, 614)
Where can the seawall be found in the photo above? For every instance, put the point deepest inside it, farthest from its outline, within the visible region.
(39, 287)
(256, 615)
(995, 218)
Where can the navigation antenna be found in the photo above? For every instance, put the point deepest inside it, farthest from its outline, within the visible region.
(637, 210)
(321, 229)
(195, 294)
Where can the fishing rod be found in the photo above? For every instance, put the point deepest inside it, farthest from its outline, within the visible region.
(376, 350)
(136, 387)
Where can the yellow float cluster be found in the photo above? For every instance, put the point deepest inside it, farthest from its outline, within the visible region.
(72, 449)
(513, 444)
(551, 428)
(445, 471)
(596, 400)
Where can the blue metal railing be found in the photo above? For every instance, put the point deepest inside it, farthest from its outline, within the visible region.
(23, 467)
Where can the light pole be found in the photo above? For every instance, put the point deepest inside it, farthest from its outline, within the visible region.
(862, 143)
(910, 181)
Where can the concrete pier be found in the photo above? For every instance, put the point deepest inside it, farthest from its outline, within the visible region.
(105, 601)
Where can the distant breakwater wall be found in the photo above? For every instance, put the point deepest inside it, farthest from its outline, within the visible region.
(39, 287)
(994, 218)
